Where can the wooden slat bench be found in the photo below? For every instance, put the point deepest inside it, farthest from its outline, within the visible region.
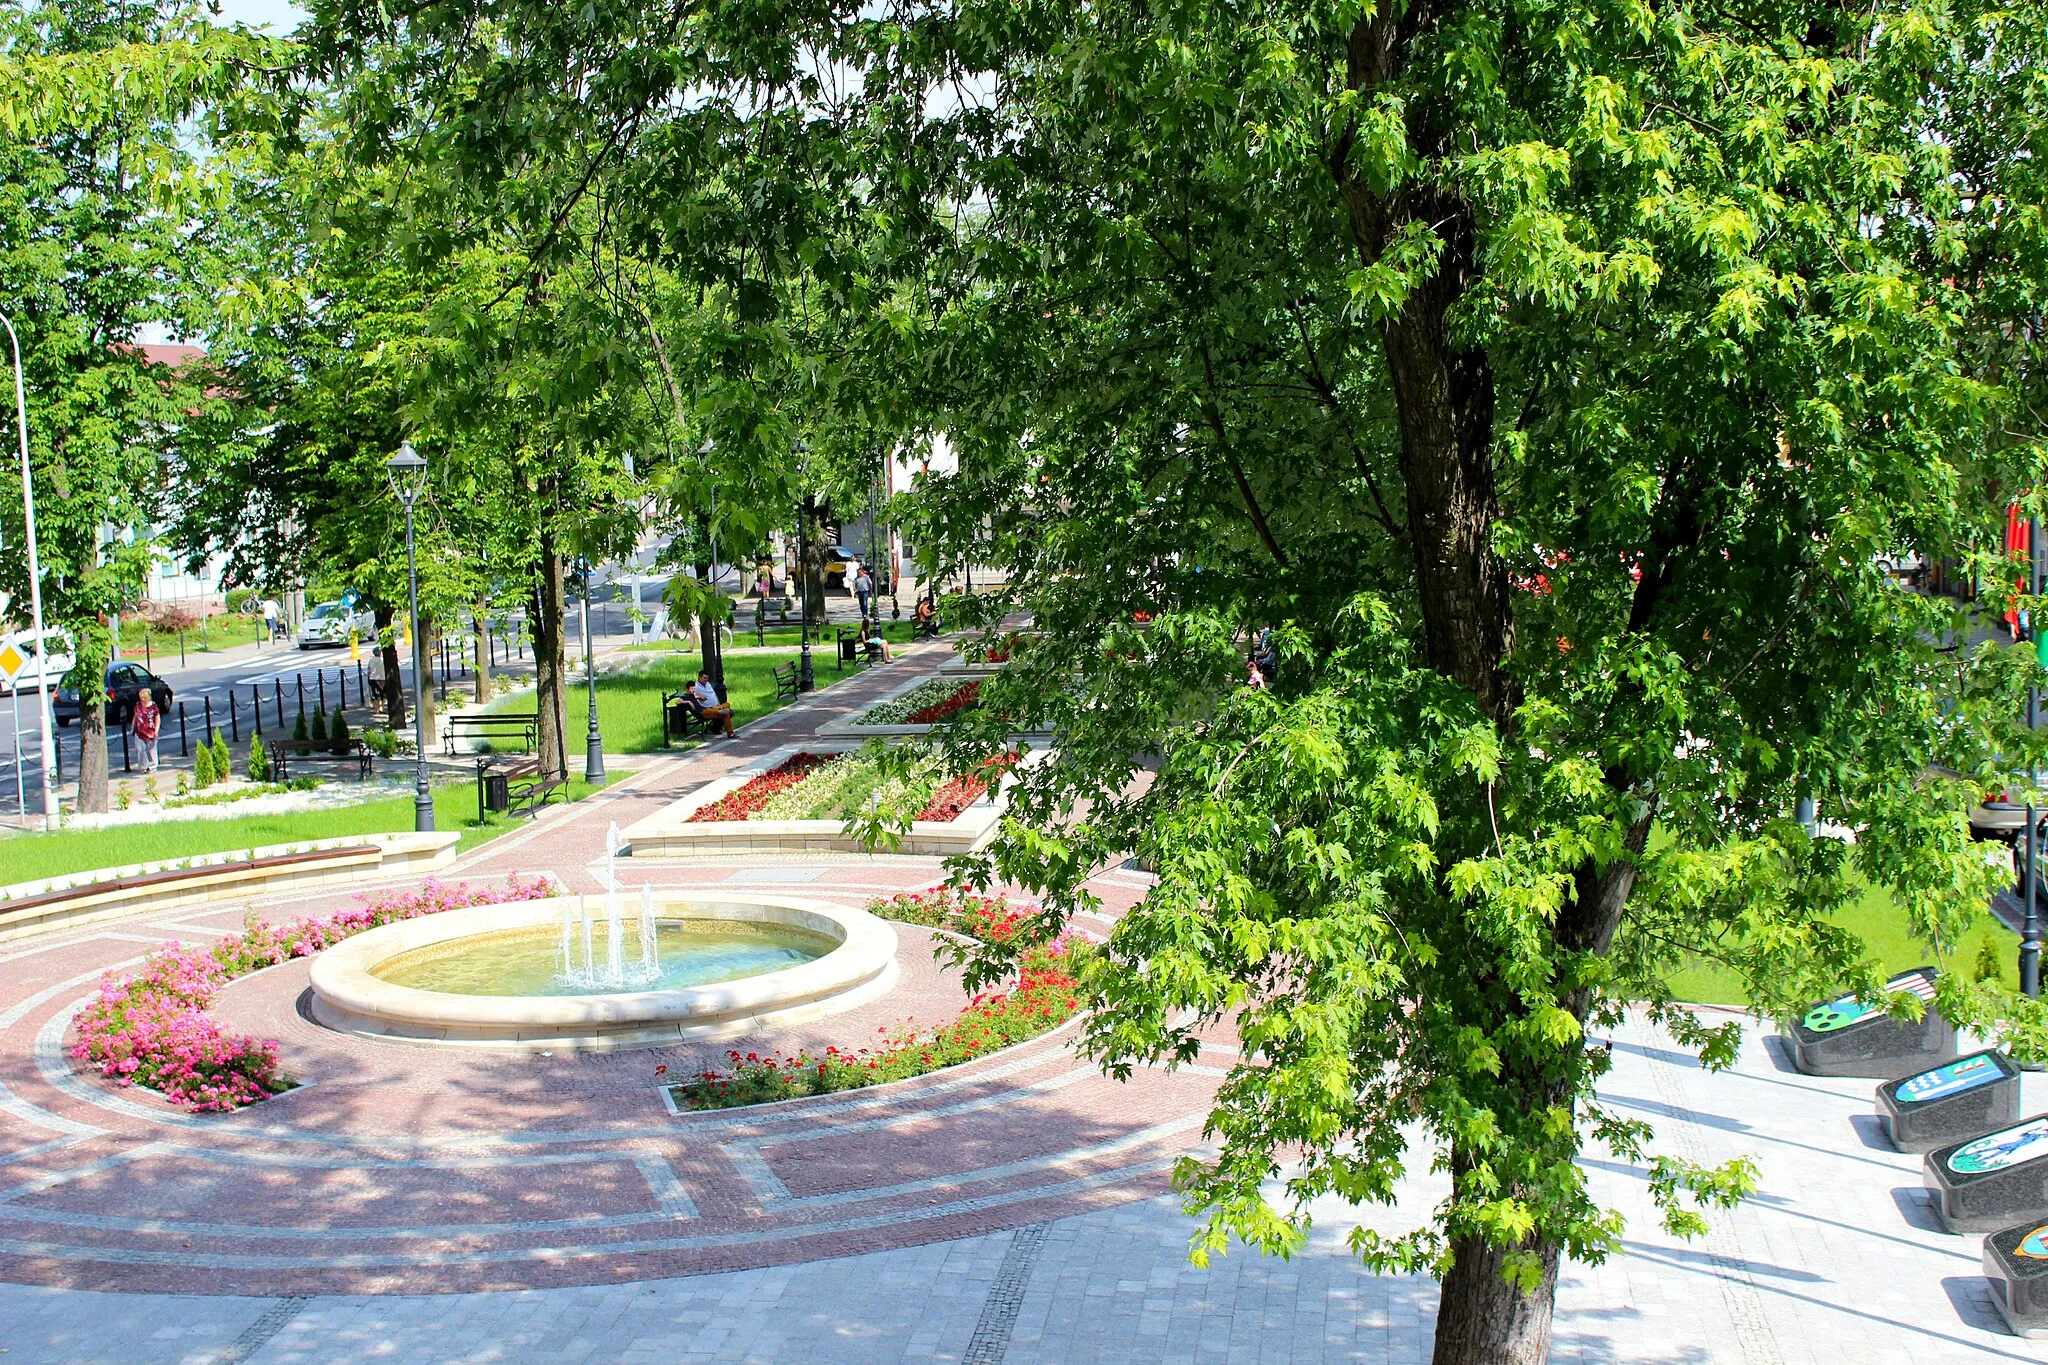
(785, 681)
(491, 725)
(678, 717)
(286, 754)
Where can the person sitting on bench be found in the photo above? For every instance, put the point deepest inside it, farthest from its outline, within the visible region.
(871, 640)
(927, 617)
(704, 701)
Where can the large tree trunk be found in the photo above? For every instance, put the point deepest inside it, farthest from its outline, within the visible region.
(94, 651)
(394, 692)
(1444, 398)
(550, 679)
(1484, 1318)
(480, 643)
(710, 637)
(92, 753)
(425, 681)
(813, 567)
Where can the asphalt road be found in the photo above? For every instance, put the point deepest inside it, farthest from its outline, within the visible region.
(206, 686)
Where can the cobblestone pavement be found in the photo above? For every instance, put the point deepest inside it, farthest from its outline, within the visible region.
(1835, 1260)
(416, 1204)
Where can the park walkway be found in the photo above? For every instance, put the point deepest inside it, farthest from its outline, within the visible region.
(422, 1204)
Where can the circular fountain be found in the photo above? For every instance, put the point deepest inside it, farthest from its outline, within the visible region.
(604, 971)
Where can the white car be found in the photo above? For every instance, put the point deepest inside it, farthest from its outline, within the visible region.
(329, 625)
(63, 654)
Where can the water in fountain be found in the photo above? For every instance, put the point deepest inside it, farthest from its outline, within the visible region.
(616, 972)
(650, 948)
(585, 978)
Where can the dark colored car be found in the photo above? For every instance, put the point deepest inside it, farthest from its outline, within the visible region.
(124, 681)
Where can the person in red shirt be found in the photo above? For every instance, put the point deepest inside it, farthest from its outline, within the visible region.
(145, 722)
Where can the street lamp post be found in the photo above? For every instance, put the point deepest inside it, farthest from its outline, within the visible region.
(35, 588)
(593, 746)
(2030, 928)
(408, 474)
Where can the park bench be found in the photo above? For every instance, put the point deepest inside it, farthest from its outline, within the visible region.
(785, 681)
(679, 716)
(527, 787)
(287, 754)
(491, 726)
(851, 648)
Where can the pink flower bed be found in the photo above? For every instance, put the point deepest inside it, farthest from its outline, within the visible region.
(152, 1028)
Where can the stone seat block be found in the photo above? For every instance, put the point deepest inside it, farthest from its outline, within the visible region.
(2016, 1264)
(1950, 1103)
(1992, 1181)
(1851, 1037)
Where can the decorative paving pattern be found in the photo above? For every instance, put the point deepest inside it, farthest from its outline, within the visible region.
(400, 1168)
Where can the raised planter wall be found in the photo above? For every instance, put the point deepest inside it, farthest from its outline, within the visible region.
(57, 903)
(670, 833)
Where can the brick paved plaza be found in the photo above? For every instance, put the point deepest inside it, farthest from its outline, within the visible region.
(412, 1203)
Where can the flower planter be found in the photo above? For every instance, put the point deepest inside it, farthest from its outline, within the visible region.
(676, 833)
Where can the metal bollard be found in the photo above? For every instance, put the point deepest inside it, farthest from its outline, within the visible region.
(280, 704)
(127, 764)
(320, 687)
(300, 679)
(206, 735)
(341, 685)
(256, 707)
(181, 649)
(234, 722)
(184, 740)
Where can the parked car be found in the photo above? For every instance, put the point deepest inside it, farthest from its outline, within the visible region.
(841, 564)
(329, 624)
(124, 682)
(63, 654)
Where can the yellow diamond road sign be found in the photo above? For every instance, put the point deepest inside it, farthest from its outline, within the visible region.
(12, 660)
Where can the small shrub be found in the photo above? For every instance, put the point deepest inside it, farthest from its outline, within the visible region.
(184, 784)
(319, 731)
(149, 786)
(1989, 966)
(202, 767)
(299, 726)
(338, 732)
(223, 766)
(123, 798)
(259, 760)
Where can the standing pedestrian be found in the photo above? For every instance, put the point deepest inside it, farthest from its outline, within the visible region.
(271, 614)
(145, 722)
(376, 670)
(864, 591)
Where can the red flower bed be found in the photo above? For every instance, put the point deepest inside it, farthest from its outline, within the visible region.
(956, 794)
(963, 699)
(1047, 994)
(742, 802)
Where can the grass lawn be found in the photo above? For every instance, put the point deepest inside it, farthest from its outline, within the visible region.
(629, 704)
(31, 857)
(1883, 927)
(222, 631)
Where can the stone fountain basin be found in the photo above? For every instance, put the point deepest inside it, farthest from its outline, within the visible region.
(348, 998)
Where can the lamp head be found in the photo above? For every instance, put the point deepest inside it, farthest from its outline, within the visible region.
(408, 472)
